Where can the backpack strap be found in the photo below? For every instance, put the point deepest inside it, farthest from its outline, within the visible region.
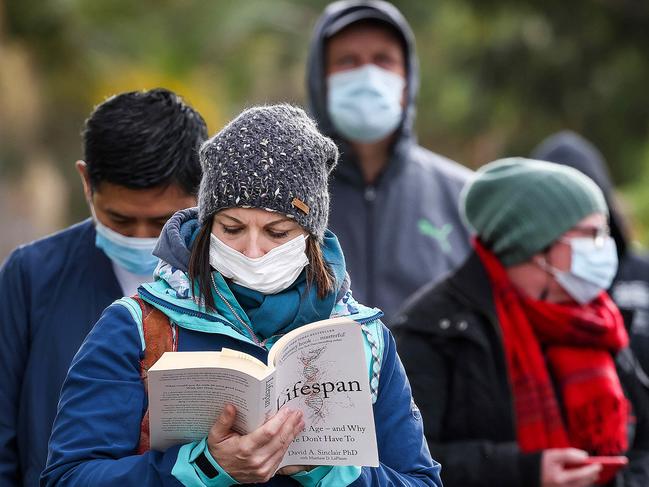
(372, 332)
(375, 346)
(159, 336)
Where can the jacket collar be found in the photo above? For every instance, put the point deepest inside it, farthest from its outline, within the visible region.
(97, 263)
(472, 285)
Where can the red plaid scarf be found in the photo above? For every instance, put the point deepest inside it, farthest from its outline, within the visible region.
(577, 342)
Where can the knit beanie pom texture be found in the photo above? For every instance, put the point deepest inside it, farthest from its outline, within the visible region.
(270, 157)
(518, 206)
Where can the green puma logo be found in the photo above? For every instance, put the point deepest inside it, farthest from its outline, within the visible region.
(440, 234)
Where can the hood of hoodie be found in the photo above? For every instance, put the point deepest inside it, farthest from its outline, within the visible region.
(347, 168)
(171, 290)
(176, 238)
(570, 149)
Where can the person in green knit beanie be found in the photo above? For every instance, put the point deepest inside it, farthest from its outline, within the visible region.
(525, 329)
(520, 206)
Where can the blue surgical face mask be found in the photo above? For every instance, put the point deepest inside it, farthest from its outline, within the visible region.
(364, 104)
(131, 253)
(592, 269)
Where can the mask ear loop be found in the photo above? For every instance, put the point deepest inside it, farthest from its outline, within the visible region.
(546, 266)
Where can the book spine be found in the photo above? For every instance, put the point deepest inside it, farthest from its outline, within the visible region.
(268, 397)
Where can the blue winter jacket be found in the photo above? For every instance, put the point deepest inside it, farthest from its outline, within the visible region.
(96, 432)
(52, 291)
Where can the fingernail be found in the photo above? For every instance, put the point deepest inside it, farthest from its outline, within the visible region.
(286, 412)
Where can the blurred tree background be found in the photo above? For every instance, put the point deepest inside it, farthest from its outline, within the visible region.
(497, 76)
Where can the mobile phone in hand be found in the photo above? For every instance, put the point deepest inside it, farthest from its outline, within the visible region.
(610, 466)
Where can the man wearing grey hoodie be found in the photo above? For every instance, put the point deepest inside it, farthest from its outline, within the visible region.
(394, 203)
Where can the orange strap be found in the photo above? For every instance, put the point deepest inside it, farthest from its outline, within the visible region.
(158, 339)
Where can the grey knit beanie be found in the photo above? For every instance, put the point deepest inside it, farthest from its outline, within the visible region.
(520, 206)
(269, 157)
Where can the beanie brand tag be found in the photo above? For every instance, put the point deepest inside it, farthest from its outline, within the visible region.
(300, 205)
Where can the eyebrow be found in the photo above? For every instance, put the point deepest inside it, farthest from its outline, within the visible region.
(162, 217)
(279, 220)
(116, 214)
(231, 218)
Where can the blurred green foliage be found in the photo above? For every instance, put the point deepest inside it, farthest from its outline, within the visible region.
(497, 76)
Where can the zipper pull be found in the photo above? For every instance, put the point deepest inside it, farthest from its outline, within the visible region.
(370, 194)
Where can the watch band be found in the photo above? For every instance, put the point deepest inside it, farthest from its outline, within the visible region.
(206, 466)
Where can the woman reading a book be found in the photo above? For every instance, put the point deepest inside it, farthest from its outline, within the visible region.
(253, 262)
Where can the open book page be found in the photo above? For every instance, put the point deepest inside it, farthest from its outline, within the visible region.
(256, 363)
(321, 370)
(188, 390)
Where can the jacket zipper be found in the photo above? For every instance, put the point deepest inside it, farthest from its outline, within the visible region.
(197, 314)
(370, 318)
(370, 196)
(236, 315)
(173, 307)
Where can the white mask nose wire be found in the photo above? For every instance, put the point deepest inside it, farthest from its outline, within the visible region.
(254, 250)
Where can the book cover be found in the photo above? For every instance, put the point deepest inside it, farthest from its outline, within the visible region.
(319, 368)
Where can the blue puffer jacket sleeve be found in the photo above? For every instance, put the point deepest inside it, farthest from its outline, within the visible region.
(403, 452)
(96, 432)
(14, 348)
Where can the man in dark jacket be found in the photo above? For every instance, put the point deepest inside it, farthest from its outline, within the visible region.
(140, 166)
(394, 203)
(630, 289)
(519, 360)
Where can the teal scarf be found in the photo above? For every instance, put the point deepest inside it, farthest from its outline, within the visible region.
(276, 314)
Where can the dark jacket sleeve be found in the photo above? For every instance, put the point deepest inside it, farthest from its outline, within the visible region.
(635, 384)
(14, 349)
(467, 463)
(403, 455)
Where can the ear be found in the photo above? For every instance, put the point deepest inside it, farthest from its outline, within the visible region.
(82, 169)
(540, 259)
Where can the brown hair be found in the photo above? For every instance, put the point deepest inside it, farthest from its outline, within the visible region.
(318, 272)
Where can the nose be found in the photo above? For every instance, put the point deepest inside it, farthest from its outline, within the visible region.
(253, 248)
(144, 230)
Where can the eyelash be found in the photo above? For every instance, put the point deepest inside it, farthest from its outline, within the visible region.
(236, 230)
(119, 220)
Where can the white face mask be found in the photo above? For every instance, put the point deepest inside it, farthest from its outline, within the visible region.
(270, 274)
(592, 269)
(594, 261)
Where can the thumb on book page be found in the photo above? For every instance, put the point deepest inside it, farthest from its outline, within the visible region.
(222, 427)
